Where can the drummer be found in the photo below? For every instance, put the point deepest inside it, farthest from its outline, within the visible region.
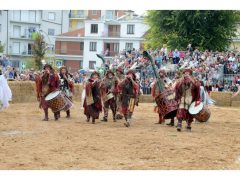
(155, 92)
(108, 89)
(187, 91)
(66, 85)
(45, 84)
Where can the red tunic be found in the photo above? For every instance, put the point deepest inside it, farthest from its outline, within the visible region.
(51, 82)
(183, 113)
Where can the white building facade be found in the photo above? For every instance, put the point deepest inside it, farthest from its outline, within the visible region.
(21, 25)
(105, 35)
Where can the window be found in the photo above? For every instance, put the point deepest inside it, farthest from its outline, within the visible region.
(24, 15)
(93, 46)
(116, 47)
(32, 16)
(92, 64)
(51, 32)
(0, 12)
(109, 14)
(63, 47)
(16, 15)
(81, 64)
(16, 31)
(94, 12)
(81, 46)
(16, 48)
(129, 46)
(80, 13)
(51, 16)
(130, 29)
(94, 28)
(0, 28)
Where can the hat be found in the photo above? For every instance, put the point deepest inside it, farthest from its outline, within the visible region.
(133, 73)
(95, 72)
(120, 70)
(188, 70)
(63, 67)
(47, 66)
(109, 72)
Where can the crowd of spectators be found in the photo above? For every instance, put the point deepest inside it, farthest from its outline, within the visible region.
(220, 71)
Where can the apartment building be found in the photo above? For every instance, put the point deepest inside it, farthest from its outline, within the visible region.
(20, 27)
(77, 17)
(78, 49)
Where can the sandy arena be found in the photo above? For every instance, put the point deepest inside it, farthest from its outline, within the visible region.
(26, 142)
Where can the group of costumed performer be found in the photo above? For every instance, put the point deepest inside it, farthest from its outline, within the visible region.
(49, 81)
(5, 92)
(187, 90)
(115, 91)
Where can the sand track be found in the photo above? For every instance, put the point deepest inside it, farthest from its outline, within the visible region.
(26, 142)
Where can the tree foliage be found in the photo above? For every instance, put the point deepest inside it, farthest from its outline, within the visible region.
(39, 50)
(1, 48)
(205, 29)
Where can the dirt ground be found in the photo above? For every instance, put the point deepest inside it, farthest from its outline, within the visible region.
(26, 142)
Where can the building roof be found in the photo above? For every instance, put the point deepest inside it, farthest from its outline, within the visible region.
(76, 33)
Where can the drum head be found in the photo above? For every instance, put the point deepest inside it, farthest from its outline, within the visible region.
(52, 95)
(195, 109)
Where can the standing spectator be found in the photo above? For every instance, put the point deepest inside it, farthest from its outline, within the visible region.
(232, 57)
(190, 49)
(176, 56)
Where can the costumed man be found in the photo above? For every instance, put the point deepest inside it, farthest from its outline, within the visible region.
(156, 92)
(129, 90)
(45, 84)
(187, 91)
(5, 92)
(66, 85)
(92, 103)
(108, 88)
(120, 78)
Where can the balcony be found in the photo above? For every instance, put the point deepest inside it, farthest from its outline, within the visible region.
(113, 34)
(69, 52)
(110, 53)
(77, 16)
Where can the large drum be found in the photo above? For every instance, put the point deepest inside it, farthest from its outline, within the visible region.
(58, 101)
(167, 104)
(201, 113)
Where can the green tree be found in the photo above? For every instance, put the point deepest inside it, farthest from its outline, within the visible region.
(205, 29)
(1, 48)
(39, 50)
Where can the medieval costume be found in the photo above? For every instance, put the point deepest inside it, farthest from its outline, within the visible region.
(166, 82)
(5, 92)
(108, 93)
(66, 85)
(47, 83)
(92, 103)
(187, 91)
(129, 89)
(120, 78)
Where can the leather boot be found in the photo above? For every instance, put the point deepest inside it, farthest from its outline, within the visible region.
(179, 126)
(68, 114)
(88, 118)
(93, 121)
(46, 115)
(56, 115)
(161, 119)
(127, 124)
(171, 122)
